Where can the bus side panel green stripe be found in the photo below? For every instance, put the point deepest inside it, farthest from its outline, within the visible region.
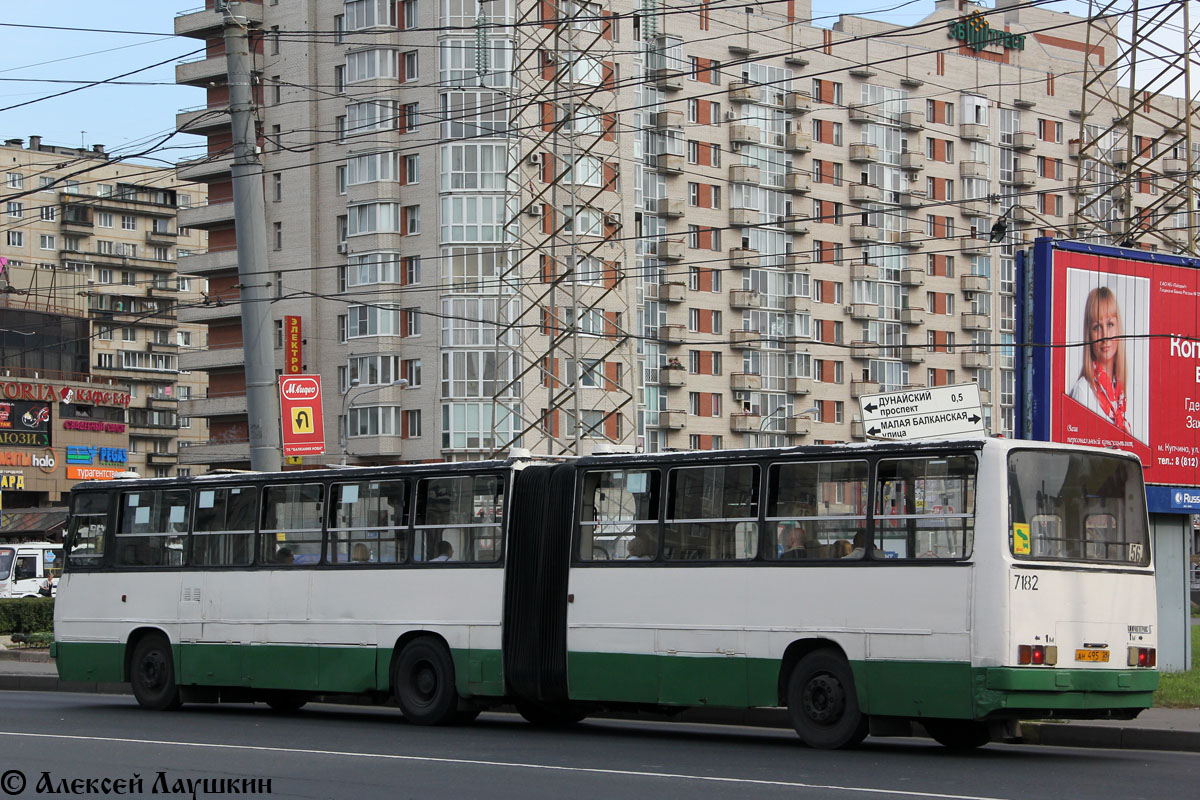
(100, 662)
(914, 688)
(672, 679)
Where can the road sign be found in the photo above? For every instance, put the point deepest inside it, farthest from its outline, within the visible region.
(923, 413)
(300, 406)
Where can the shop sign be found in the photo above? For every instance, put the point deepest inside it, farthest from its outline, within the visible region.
(50, 393)
(93, 425)
(25, 424)
(12, 482)
(101, 455)
(975, 32)
(92, 473)
(293, 352)
(46, 461)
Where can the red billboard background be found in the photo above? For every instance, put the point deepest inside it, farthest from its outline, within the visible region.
(1155, 411)
(300, 408)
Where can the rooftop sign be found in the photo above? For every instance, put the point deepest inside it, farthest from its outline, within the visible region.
(975, 32)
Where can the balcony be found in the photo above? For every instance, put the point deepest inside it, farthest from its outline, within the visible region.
(745, 381)
(672, 420)
(797, 183)
(669, 250)
(798, 426)
(1024, 140)
(797, 103)
(976, 322)
(745, 340)
(203, 120)
(860, 388)
(864, 271)
(212, 358)
(743, 217)
(668, 120)
(913, 198)
(745, 134)
(1021, 214)
(868, 234)
(214, 452)
(205, 22)
(742, 92)
(797, 142)
(912, 120)
(1174, 166)
(670, 207)
(745, 299)
(197, 170)
(800, 386)
(973, 245)
(225, 405)
(912, 316)
(912, 160)
(670, 80)
(201, 71)
(673, 292)
(1024, 177)
(973, 133)
(865, 193)
(864, 153)
(673, 378)
(206, 216)
(745, 423)
(861, 113)
(974, 208)
(912, 355)
(740, 173)
(672, 334)
(162, 458)
(672, 163)
(973, 360)
(912, 276)
(1073, 148)
(206, 263)
(797, 227)
(864, 350)
(973, 169)
(743, 258)
(863, 311)
(914, 240)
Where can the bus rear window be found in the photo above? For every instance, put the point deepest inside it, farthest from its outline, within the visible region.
(1071, 506)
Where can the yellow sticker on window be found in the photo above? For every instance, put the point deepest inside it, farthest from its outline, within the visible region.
(1020, 542)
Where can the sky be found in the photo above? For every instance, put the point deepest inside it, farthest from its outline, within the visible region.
(133, 118)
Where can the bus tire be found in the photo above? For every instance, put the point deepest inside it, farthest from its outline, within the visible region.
(550, 716)
(284, 702)
(152, 674)
(823, 703)
(957, 734)
(423, 683)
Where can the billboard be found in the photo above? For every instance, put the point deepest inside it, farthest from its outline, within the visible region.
(1119, 364)
(24, 424)
(300, 407)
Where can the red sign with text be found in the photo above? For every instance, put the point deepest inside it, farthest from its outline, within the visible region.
(300, 407)
(293, 352)
(1129, 377)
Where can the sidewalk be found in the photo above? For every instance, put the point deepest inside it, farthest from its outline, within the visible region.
(1154, 729)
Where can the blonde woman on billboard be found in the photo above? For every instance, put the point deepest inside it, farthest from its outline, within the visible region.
(1101, 384)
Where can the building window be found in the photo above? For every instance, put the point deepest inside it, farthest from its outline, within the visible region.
(14, 238)
(46, 241)
(277, 234)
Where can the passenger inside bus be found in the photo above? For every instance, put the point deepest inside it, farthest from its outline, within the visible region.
(360, 553)
(445, 551)
(284, 556)
(793, 537)
(640, 548)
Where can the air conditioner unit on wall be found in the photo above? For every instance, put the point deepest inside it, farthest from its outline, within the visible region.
(534, 210)
(342, 248)
(534, 158)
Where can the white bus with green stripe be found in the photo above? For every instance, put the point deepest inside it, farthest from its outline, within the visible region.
(963, 585)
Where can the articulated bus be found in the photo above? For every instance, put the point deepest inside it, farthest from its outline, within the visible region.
(963, 584)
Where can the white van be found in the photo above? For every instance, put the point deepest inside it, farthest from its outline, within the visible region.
(30, 569)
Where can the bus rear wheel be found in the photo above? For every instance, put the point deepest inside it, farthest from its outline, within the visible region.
(423, 683)
(957, 734)
(823, 703)
(152, 674)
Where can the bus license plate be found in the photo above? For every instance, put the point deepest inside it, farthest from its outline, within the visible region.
(1091, 655)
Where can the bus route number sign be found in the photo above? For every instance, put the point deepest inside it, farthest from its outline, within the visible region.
(300, 407)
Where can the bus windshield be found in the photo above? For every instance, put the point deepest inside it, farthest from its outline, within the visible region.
(1072, 506)
(6, 559)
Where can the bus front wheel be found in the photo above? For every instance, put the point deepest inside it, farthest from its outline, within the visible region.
(152, 674)
(823, 703)
(957, 734)
(423, 683)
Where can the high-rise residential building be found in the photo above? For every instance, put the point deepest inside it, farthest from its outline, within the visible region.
(563, 223)
(90, 298)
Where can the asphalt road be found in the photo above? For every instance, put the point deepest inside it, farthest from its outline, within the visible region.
(353, 752)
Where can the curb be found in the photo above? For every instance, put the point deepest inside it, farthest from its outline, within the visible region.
(1051, 734)
(37, 655)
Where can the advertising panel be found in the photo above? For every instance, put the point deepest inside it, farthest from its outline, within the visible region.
(300, 407)
(293, 346)
(24, 424)
(1123, 366)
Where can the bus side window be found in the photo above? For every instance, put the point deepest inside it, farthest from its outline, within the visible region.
(925, 507)
(26, 568)
(618, 518)
(712, 513)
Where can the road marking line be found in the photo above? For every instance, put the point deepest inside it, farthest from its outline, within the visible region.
(510, 764)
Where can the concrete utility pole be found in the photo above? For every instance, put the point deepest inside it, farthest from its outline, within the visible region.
(262, 402)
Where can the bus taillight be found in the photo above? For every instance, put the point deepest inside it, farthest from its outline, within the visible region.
(1037, 654)
(1142, 657)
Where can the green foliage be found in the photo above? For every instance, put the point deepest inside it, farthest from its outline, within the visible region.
(26, 615)
(1181, 689)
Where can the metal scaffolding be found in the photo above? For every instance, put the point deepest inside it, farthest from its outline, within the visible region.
(1137, 76)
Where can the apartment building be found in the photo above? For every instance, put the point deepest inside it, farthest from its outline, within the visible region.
(562, 224)
(91, 300)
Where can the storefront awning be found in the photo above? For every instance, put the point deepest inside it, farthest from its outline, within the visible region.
(33, 523)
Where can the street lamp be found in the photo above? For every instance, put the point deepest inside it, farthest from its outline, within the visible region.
(399, 383)
(763, 425)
